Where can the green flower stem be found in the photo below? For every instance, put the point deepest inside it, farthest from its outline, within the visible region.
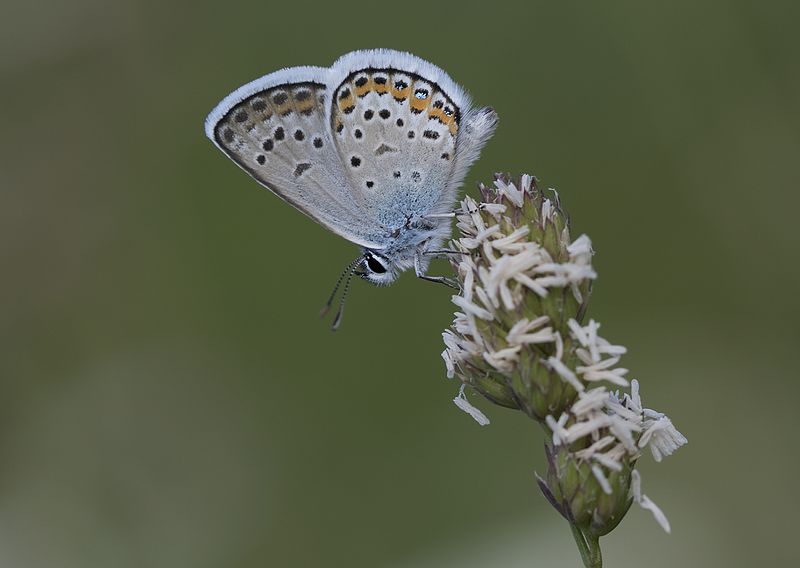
(589, 547)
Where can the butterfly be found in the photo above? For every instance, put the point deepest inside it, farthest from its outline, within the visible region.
(373, 148)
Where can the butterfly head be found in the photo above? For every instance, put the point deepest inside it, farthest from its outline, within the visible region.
(378, 269)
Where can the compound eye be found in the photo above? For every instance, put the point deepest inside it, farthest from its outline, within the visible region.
(374, 265)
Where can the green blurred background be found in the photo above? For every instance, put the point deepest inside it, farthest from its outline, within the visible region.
(169, 396)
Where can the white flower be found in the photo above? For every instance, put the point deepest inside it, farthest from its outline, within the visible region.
(659, 433)
(663, 438)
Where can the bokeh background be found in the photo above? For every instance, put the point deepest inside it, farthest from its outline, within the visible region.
(169, 396)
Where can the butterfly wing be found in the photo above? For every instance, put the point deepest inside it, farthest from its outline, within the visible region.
(275, 129)
(405, 132)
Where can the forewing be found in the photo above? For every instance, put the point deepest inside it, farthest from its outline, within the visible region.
(275, 129)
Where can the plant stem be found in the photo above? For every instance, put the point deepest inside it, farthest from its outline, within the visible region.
(589, 547)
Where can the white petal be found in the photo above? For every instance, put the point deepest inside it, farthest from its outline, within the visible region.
(565, 373)
(601, 479)
(461, 401)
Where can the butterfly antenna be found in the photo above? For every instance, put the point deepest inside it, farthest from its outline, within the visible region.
(348, 269)
(338, 319)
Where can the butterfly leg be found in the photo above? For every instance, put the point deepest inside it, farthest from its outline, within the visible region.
(443, 252)
(451, 214)
(420, 271)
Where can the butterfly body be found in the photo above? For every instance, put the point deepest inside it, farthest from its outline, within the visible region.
(373, 148)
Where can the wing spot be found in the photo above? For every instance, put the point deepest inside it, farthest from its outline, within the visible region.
(361, 81)
(416, 176)
(268, 145)
(445, 156)
(261, 159)
(259, 105)
(431, 134)
(298, 135)
(421, 94)
(400, 122)
(344, 94)
(339, 128)
(279, 133)
(358, 133)
(317, 142)
(368, 114)
(411, 134)
(349, 109)
(370, 183)
(241, 116)
(303, 95)
(355, 161)
(301, 168)
(227, 135)
(384, 114)
(396, 174)
(280, 98)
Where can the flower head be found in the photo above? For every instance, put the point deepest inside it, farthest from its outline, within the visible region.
(520, 339)
(523, 280)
